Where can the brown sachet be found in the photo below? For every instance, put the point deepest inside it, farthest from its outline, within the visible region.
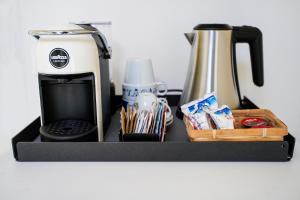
(123, 120)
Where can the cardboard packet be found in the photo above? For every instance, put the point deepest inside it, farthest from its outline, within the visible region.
(223, 118)
(197, 111)
(132, 120)
(123, 120)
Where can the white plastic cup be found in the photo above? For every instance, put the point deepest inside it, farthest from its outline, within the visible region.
(139, 78)
(139, 72)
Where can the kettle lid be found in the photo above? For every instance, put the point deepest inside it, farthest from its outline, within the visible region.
(213, 27)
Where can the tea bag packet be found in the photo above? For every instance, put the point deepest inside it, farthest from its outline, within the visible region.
(163, 127)
(162, 120)
(158, 122)
(136, 123)
(123, 120)
(149, 122)
(132, 120)
(128, 120)
(144, 120)
(140, 122)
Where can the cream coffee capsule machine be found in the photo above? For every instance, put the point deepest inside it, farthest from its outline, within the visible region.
(74, 84)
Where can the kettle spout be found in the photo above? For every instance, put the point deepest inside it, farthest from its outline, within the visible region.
(190, 37)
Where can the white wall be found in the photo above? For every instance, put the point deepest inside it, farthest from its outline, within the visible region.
(152, 29)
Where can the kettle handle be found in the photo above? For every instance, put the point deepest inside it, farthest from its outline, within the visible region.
(252, 36)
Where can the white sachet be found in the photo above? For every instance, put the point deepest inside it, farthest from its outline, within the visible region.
(223, 118)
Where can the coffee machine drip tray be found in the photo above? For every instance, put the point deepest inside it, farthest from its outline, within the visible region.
(69, 130)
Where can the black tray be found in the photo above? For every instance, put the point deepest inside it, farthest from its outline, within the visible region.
(139, 137)
(27, 146)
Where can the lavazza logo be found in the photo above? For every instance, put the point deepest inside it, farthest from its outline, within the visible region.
(59, 58)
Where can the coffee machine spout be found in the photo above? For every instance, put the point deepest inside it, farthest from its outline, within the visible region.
(190, 37)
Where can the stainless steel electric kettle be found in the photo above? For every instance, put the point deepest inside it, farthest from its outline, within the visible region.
(212, 66)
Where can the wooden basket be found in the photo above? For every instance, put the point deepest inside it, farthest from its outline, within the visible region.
(240, 133)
